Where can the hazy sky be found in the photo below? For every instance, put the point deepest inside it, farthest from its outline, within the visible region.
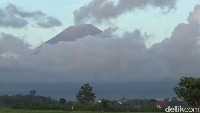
(143, 41)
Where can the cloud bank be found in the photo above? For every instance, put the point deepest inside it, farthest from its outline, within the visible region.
(99, 10)
(106, 60)
(14, 17)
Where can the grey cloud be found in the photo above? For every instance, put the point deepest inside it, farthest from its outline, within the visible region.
(10, 42)
(14, 10)
(12, 52)
(12, 16)
(105, 60)
(162, 4)
(13, 21)
(100, 10)
(51, 22)
(1, 13)
(108, 33)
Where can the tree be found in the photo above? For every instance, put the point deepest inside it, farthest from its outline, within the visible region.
(188, 90)
(32, 92)
(104, 103)
(174, 99)
(152, 101)
(62, 101)
(174, 102)
(85, 94)
(166, 100)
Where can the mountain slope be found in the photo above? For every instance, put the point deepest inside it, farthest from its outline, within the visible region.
(74, 32)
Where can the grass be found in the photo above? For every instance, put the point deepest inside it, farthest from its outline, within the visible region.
(114, 112)
(58, 111)
(30, 111)
(54, 111)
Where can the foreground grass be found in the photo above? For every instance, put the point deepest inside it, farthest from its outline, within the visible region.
(58, 111)
(53, 111)
(113, 112)
(30, 111)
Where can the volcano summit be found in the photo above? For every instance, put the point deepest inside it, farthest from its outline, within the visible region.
(74, 32)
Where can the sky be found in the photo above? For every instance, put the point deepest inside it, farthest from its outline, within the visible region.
(147, 42)
(63, 10)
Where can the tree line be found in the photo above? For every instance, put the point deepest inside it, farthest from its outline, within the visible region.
(187, 90)
(8, 101)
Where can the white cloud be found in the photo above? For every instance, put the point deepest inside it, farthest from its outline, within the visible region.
(195, 14)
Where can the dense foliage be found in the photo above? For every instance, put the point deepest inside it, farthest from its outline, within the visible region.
(7, 101)
(62, 101)
(188, 90)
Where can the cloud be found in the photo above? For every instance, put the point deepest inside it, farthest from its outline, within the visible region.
(101, 10)
(108, 33)
(12, 16)
(179, 53)
(12, 9)
(83, 59)
(49, 22)
(106, 60)
(10, 43)
(195, 14)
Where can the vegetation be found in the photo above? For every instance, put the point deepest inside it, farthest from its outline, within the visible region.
(53, 111)
(105, 105)
(7, 101)
(30, 111)
(32, 92)
(85, 94)
(188, 90)
(62, 101)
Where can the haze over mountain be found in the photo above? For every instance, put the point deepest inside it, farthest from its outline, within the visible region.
(74, 32)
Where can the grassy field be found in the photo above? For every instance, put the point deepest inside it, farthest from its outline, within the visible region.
(30, 111)
(50, 111)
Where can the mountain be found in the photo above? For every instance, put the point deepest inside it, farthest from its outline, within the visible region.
(74, 32)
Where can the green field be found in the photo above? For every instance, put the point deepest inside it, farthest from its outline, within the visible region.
(30, 111)
(51, 111)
